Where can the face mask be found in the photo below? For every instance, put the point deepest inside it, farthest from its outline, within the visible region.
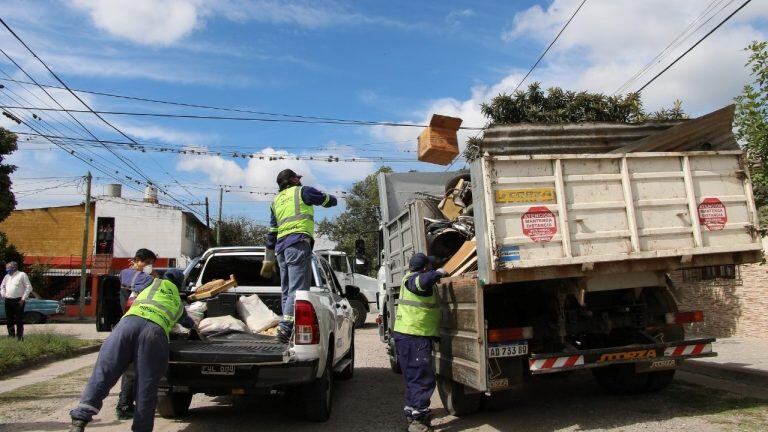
(148, 269)
(9, 271)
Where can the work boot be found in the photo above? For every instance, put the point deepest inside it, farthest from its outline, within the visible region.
(419, 426)
(124, 413)
(283, 336)
(78, 425)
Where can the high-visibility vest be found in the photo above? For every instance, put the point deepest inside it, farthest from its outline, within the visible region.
(159, 303)
(292, 214)
(417, 315)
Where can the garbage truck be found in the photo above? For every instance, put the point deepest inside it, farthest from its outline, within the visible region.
(567, 235)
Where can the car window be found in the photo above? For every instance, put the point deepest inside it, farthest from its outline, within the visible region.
(246, 268)
(332, 281)
(339, 263)
(321, 272)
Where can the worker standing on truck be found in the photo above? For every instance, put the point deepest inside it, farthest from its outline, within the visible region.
(290, 240)
(417, 323)
(133, 280)
(140, 336)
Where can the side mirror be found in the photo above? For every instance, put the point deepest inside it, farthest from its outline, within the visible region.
(351, 291)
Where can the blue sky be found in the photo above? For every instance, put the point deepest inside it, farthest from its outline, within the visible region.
(388, 61)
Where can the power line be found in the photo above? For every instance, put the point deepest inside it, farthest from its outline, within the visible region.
(694, 46)
(54, 75)
(550, 45)
(292, 118)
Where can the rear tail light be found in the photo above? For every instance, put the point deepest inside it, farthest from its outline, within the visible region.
(510, 334)
(685, 317)
(306, 328)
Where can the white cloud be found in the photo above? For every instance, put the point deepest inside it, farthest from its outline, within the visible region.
(165, 22)
(454, 17)
(147, 22)
(605, 45)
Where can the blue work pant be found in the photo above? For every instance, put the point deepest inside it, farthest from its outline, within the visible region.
(295, 263)
(135, 340)
(414, 354)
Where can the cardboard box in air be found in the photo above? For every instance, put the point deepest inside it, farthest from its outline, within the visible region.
(438, 143)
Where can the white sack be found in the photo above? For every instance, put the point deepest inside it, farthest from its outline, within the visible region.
(222, 323)
(256, 314)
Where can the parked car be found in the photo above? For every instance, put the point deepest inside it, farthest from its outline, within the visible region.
(255, 364)
(36, 311)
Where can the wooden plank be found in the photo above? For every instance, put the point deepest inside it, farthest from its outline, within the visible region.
(460, 347)
(460, 319)
(465, 252)
(469, 265)
(461, 371)
(458, 291)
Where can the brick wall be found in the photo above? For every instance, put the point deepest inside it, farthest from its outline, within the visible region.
(730, 310)
(52, 231)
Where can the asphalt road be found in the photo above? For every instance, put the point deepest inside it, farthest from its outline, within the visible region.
(372, 401)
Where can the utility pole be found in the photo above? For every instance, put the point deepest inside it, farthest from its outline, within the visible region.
(207, 214)
(86, 229)
(218, 225)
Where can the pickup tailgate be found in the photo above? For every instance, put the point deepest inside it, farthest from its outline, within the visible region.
(255, 349)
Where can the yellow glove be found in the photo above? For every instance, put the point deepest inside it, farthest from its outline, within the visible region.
(268, 266)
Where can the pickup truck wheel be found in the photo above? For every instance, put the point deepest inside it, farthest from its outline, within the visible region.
(361, 312)
(349, 371)
(33, 318)
(455, 398)
(317, 395)
(173, 404)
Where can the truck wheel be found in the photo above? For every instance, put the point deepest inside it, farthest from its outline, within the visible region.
(499, 401)
(317, 395)
(659, 380)
(361, 313)
(621, 379)
(455, 398)
(349, 371)
(173, 404)
(394, 365)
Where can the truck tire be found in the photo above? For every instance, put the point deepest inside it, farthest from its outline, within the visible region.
(361, 313)
(394, 365)
(173, 405)
(349, 371)
(455, 398)
(499, 400)
(317, 394)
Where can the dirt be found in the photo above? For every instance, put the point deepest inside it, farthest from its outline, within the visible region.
(373, 400)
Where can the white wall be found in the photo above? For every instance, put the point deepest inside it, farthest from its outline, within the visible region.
(142, 225)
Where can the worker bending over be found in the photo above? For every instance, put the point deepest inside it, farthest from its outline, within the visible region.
(142, 337)
(417, 323)
(291, 238)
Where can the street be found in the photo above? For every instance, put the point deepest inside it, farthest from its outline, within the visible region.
(372, 401)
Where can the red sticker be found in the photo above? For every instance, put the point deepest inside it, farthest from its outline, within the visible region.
(712, 214)
(539, 224)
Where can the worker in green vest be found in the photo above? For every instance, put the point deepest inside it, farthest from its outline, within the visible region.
(290, 240)
(141, 337)
(417, 324)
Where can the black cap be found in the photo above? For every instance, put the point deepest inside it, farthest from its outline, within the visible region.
(176, 277)
(285, 176)
(419, 261)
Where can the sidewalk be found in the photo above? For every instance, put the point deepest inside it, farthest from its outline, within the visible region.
(49, 371)
(78, 329)
(738, 359)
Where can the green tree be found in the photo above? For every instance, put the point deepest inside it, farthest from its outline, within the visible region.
(751, 123)
(8, 251)
(360, 220)
(7, 199)
(241, 231)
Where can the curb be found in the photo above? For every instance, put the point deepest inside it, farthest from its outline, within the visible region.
(46, 360)
(753, 377)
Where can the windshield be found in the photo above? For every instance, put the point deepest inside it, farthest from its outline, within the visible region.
(338, 263)
(246, 268)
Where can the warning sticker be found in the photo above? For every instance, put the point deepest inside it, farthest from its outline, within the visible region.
(510, 254)
(539, 224)
(537, 195)
(712, 214)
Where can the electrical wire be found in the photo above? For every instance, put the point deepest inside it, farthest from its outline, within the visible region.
(550, 45)
(693, 46)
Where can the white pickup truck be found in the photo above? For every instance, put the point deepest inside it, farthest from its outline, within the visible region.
(368, 299)
(237, 363)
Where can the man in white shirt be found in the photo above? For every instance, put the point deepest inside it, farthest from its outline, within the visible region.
(15, 289)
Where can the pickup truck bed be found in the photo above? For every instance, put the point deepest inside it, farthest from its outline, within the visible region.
(230, 348)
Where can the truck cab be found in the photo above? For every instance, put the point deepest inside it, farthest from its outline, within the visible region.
(344, 269)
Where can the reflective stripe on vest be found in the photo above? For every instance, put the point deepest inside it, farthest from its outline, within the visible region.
(162, 308)
(292, 214)
(417, 315)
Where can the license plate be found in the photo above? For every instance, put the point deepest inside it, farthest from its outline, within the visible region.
(218, 369)
(508, 350)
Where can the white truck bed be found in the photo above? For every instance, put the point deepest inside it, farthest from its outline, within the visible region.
(549, 216)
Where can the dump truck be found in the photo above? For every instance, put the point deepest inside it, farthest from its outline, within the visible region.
(574, 242)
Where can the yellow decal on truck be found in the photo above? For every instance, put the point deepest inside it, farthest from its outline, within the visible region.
(629, 355)
(537, 195)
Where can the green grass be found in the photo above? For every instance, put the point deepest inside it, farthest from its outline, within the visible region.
(36, 346)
